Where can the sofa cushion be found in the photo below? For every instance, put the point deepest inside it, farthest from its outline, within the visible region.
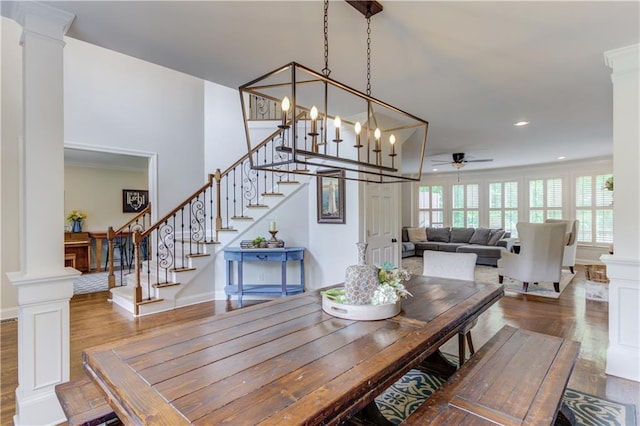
(495, 236)
(480, 236)
(427, 245)
(406, 246)
(481, 251)
(417, 234)
(461, 235)
(450, 247)
(439, 235)
(405, 235)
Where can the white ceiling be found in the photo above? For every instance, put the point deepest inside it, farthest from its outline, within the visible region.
(471, 69)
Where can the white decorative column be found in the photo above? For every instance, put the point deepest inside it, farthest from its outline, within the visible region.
(623, 267)
(44, 284)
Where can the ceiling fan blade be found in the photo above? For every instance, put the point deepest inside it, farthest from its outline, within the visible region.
(479, 161)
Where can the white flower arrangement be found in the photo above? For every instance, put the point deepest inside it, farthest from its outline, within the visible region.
(390, 288)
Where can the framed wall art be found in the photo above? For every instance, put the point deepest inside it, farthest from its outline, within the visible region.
(134, 200)
(331, 196)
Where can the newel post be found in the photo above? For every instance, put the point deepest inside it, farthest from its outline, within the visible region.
(110, 237)
(218, 178)
(137, 293)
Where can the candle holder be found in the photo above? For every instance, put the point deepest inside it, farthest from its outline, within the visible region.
(273, 236)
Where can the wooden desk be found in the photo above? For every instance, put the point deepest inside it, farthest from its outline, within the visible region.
(79, 244)
(281, 362)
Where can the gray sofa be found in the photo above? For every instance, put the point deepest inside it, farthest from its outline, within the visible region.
(488, 244)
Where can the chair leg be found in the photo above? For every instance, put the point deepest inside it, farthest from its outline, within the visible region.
(556, 287)
(461, 349)
(470, 343)
(571, 269)
(500, 279)
(525, 286)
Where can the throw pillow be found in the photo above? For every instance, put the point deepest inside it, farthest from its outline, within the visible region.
(417, 234)
(480, 236)
(438, 235)
(461, 235)
(495, 236)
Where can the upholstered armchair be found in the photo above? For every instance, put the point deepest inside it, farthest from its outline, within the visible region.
(570, 245)
(461, 266)
(540, 258)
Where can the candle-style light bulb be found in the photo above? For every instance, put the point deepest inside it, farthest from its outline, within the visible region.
(313, 113)
(377, 134)
(392, 141)
(286, 104)
(358, 129)
(337, 122)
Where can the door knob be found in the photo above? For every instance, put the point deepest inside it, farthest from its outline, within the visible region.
(393, 240)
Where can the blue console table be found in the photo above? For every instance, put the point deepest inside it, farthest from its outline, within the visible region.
(239, 255)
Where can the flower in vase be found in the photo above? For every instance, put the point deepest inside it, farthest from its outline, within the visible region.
(76, 215)
(391, 289)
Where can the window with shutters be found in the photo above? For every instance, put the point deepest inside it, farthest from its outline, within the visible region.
(465, 205)
(430, 206)
(594, 209)
(545, 199)
(503, 206)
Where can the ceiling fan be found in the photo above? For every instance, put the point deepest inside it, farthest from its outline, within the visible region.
(459, 160)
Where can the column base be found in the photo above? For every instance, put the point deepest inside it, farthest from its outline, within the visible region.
(41, 409)
(623, 352)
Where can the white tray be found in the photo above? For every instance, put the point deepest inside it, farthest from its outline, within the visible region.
(361, 312)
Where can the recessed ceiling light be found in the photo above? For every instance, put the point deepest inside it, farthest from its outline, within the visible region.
(562, 157)
(435, 170)
(520, 123)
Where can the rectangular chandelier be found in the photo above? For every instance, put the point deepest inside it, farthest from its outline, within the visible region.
(300, 121)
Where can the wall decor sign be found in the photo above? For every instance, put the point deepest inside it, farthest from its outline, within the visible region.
(134, 200)
(331, 196)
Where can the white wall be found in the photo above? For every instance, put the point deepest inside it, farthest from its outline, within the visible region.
(112, 102)
(333, 246)
(116, 101)
(11, 92)
(224, 135)
(98, 193)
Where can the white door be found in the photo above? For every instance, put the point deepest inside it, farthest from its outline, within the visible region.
(382, 208)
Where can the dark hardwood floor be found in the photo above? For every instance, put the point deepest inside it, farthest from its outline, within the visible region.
(96, 321)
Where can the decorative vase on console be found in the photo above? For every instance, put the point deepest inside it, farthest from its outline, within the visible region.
(77, 226)
(361, 280)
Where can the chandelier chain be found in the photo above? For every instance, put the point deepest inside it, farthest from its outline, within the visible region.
(326, 71)
(368, 55)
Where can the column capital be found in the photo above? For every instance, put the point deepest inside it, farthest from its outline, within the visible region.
(623, 59)
(41, 18)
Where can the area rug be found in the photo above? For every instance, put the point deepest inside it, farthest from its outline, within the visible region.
(406, 395)
(488, 274)
(93, 283)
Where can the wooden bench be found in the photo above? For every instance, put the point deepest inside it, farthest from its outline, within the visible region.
(83, 404)
(518, 377)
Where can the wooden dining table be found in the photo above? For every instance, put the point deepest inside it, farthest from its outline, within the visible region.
(284, 361)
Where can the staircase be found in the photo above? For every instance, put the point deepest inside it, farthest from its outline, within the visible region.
(174, 259)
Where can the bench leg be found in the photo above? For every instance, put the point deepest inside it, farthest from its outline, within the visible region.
(565, 416)
(438, 365)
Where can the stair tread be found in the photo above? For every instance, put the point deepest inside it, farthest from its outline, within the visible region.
(257, 206)
(289, 182)
(163, 285)
(147, 302)
(273, 194)
(241, 217)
